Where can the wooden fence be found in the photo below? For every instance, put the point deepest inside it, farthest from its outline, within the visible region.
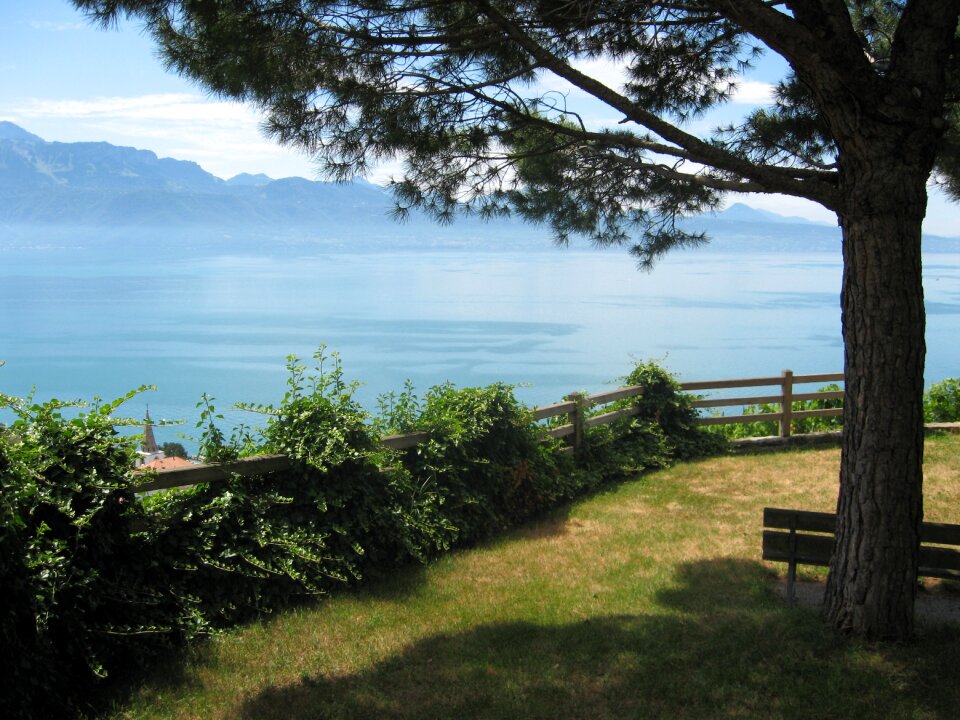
(785, 398)
(574, 409)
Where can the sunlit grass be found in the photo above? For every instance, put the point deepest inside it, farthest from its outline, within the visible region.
(648, 600)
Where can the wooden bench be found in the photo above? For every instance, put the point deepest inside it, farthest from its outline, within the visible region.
(802, 537)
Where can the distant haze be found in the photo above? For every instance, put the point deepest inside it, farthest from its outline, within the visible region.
(97, 185)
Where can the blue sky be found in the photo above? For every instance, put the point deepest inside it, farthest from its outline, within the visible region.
(67, 80)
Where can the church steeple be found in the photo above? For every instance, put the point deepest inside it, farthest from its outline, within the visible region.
(149, 441)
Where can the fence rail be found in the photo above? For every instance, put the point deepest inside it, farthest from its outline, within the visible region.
(574, 407)
(785, 381)
(213, 472)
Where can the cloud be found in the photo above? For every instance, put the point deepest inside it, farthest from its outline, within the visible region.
(177, 107)
(613, 74)
(225, 137)
(222, 136)
(387, 171)
(597, 115)
(57, 26)
(751, 92)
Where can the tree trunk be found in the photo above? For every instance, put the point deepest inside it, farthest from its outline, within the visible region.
(872, 581)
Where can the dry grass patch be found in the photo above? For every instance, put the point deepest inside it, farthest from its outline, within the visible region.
(941, 480)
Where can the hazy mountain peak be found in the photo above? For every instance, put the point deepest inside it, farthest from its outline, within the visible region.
(10, 131)
(248, 180)
(105, 185)
(740, 212)
(97, 184)
(30, 164)
(744, 213)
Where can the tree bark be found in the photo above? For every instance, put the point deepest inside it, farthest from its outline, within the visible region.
(887, 124)
(872, 580)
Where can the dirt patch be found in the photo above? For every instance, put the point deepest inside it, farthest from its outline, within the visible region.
(930, 608)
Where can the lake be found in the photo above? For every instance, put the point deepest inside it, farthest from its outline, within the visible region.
(103, 318)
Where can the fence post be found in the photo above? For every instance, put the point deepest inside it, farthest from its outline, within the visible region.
(575, 418)
(786, 405)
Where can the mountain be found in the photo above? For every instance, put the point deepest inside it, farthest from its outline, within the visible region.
(738, 212)
(96, 184)
(246, 179)
(28, 162)
(53, 189)
(740, 228)
(9, 131)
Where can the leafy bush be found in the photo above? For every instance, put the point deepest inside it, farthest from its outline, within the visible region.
(484, 459)
(667, 421)
(75, 587)
(252, 544)
(377, 519)
(941, 403)
(96, 575)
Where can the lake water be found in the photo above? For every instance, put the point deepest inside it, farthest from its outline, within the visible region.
(104, 319)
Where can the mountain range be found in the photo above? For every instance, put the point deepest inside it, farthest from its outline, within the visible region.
(96, 185)
(99, 184)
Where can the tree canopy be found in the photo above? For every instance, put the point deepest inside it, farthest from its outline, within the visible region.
(456, 90)
(478, 99)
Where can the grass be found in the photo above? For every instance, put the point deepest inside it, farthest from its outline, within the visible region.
(646, 601)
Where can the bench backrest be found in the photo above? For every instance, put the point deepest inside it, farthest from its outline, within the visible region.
(806, 538)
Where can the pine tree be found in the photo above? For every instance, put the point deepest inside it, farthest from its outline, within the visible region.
(867, 115)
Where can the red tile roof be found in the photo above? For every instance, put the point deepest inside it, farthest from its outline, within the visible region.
(166, 464)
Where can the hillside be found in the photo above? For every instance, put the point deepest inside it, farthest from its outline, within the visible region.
(54, 187)
(99, 184)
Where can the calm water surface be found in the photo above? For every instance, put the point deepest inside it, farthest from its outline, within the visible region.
(101, 321)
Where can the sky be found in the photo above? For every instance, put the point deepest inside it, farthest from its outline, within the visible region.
(67, 80)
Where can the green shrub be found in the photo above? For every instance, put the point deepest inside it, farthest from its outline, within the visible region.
(374, 518)
(941, 403)
(666, 426)
(78, 597)
(485, 460)
(253, 544)
(174, 449)
(96, 576)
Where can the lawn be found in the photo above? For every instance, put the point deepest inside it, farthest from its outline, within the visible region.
(646, 601)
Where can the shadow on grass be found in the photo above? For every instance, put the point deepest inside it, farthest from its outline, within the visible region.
(168, 669)
(162, 670)
(722, 648)
(398, 583)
